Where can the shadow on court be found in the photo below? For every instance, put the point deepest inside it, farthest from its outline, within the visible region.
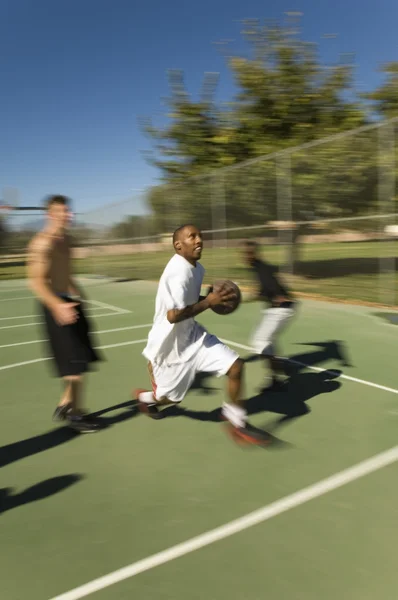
(61, 435)
(322, 352)
(290, 401)
(39, 491)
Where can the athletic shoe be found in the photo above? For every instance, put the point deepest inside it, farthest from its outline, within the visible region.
(248, 435)
(151, 410)
(83, 423)
(61, 412)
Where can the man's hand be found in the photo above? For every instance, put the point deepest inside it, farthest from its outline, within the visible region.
(64, 313)
(221, 296)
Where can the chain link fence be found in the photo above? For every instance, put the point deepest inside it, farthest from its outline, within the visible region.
(324, 213)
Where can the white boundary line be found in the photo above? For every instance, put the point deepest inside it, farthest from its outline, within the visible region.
(109, 306)
(254, 518)
(320, 370)
(21, 317)
(37, 360)
(90, 308)
(17, 298)
(96, 333)
(110, 314)
(263, 514)
(230, 342)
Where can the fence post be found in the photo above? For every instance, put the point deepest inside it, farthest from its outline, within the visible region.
(284, 208)
(218, 223)
(386, 204)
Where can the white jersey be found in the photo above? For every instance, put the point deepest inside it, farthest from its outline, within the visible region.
(179, 287)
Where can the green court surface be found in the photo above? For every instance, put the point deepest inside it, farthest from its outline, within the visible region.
(77, 508)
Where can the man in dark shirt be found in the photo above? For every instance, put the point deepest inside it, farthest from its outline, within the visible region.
(281, 309)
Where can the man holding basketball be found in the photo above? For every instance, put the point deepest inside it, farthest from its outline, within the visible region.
(178, 347)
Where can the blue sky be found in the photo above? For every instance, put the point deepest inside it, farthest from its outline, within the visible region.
(76, 76)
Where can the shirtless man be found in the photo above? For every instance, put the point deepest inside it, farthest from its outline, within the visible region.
(50, 279)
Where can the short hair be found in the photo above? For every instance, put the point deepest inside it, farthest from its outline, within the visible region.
(56, 199)
(179, 230)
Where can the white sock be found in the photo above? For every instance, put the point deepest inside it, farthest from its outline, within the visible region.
(234, 414)
(146, 397)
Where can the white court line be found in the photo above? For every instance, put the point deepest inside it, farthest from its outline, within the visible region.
(96, 332)
(109, 306)
(98, 305)
(320, 370)
(231, 343)
(254, 518)
(111, 314)
(22, 317)
(37, 360)
(17, 298)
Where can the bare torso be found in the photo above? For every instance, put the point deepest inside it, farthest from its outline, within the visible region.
(55, 252)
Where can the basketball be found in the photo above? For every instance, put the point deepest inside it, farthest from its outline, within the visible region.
(227, 309)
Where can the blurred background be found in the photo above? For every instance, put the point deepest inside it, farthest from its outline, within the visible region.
(273, 128)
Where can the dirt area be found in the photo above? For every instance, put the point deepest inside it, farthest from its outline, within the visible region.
(345, 236)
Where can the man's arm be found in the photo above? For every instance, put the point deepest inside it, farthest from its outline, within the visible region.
(37, 271)
(176, 315)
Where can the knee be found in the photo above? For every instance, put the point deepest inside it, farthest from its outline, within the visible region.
(236, 371)
(73, 379)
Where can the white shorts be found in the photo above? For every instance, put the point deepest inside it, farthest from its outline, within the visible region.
(173, 382)
(272, 323)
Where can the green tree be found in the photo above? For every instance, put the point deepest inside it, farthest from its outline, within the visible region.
(384, 99)
(286, 98)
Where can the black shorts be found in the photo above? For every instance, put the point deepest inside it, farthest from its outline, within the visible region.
(70, 345)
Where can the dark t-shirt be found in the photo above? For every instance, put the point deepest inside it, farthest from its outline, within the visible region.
(270, 286)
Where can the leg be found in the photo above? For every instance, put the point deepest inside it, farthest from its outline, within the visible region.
(69, 409)
(73, 391)
(263, 341)
(277, 369)
(216, 357)
(235, 382)
(164, 392)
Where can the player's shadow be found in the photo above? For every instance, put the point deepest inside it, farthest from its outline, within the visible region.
(201, 384)
(39, 491)
(61, 435)
(330, 350)
(325, 351)
(290, 401)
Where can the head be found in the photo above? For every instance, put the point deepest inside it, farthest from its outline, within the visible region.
(250, 251)
(188, 242)
(58, 212)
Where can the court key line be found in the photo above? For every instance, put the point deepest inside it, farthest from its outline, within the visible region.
(119, 310)
(108, 314)
(320, 370)
(96, 333)
(42, 359)
(231, 343)
(17, 298)
(254, 518)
